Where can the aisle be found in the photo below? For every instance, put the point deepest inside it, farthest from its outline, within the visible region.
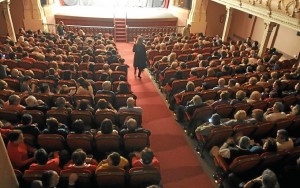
(180, 166)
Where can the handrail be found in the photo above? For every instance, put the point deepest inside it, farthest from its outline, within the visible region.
(156, 27)
(84, 26)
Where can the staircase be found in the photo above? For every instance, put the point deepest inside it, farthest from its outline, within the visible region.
(120, 29)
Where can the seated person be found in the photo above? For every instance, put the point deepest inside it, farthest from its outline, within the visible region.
(13, 103)
(50, 179)
(18, 151)
(239, 119)
(84, 104)
(80, 161)
(239, 98)
(229, 150)
(191, 106)
(284, 142)
(62, 104)
(254, 97)
(27, 127)
(78, 127)
(54, 127)
(43, 163)
(275, 113)
(131, 106)
(268, 179)
(113, 161)
(269, 145)
(103, 105)
(33, 104)
(107, 89)
(257, 116)
(132, 127)
(144, 158)
(206, 128)
(224, 99)
(107, 127)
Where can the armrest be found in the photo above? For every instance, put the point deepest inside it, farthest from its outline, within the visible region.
(220, 162)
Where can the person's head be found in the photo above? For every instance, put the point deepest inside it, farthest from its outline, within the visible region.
(240, 95)
(240, 115)
(253, 81)
(270, 145)
(106, 85)
(102, 104)
(278, 107)
(52, 124)
(190, 86)
(224, 95)
(84, 104)
(14, 99)
(3, 85)
(258, 115)
(255, 95)
(282, 136)
(78, 157)
(15, 136)
(197, 100)
(295, 110)
(106, 126)
(147, 156)
(131, 124)
(216, 119)
(114, 159)
(269, 179)
(60, 102)
(123, 87)
(231, 82)
(41, 156)
(50, 179)
(221, 82)
(244, 142)
(130, 102)
(78, 126)
(26, 119)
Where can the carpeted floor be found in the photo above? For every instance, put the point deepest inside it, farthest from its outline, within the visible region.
(180, 165)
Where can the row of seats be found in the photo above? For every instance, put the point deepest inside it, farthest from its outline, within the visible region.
(135, 177)
(93, 144)
(256, 131)
(63, 116)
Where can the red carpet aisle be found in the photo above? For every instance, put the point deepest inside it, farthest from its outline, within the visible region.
(180, 166)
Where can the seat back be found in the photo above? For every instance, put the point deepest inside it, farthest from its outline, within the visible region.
(241, 106)
(263, 105)
(217, 137)
(10, 115)
(101, 115)
(270, 159)
(84, 177)
(202, 114)
(208, 95)
(31, 175)
(144, 176)
(107, 142)
(125, 114)
(83, 141)
(110, 177)
(245, 130)
(114, 76)
(38, 117)
(77, 97)
(86, 116)
(51, 142)
(12, 83)
(107, 97)
(135, 141)
(62, 116)
(224, 111)
(263, 129)
(282, 124)
(244, 163)
(121, 100)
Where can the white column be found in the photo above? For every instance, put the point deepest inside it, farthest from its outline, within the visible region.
(197, 16)
(9, 23)
(227, 23)
(266, 37)
(33, 15)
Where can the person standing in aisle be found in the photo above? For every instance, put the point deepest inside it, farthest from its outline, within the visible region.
(186, 30)
(140, 58)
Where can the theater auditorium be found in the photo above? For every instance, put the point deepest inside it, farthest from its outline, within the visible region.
(149, 93)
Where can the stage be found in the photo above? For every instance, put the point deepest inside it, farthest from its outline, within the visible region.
(104, 16)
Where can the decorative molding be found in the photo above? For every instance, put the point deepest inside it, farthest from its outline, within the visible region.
(283, 12)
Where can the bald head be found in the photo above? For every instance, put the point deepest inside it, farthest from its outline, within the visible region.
(130, 102)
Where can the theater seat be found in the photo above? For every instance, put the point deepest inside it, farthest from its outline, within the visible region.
(135, 141)
(144, 176)
(51, 142)
(110, 177)
(84, 177)
(83, 141)
(31, 175)
(107, 142)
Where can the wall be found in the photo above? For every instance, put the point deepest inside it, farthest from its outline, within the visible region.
(180, 13)
(3, 28)
(241, 26)
(215, 25)
(17, 14)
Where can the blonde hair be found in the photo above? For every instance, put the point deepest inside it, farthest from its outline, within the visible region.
(240, 115)
(255, 95)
